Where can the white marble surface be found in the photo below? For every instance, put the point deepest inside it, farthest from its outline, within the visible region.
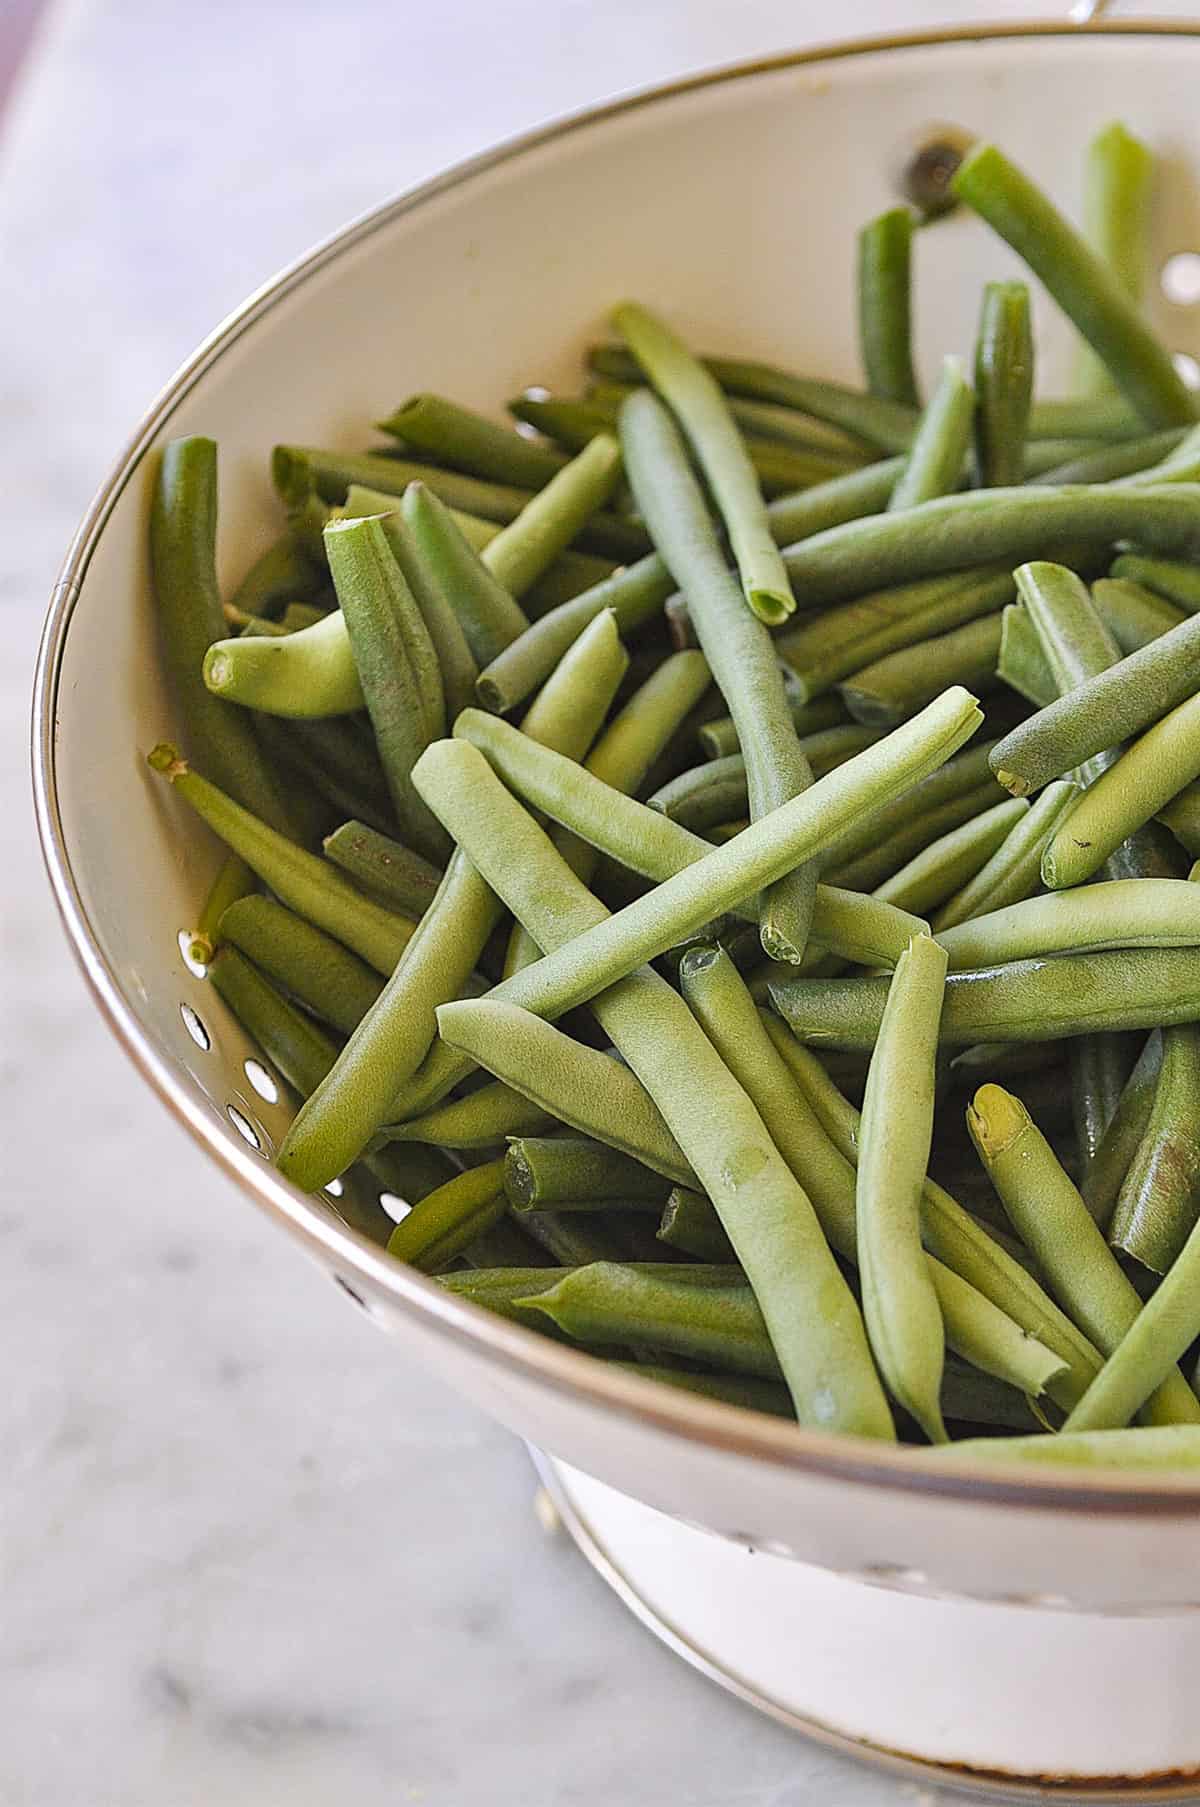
(243, 1557)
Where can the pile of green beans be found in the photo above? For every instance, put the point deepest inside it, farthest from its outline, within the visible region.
(565, 1002)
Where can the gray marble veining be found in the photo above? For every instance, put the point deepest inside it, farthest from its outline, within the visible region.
(245, 1555)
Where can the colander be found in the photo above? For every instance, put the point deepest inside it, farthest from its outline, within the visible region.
(1021, 1627)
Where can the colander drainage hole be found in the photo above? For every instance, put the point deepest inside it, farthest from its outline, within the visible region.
(397, 1208)
(261, 1080)
(195, 1028)
(335, 1188)
(1180, 278)
(1187, 367)
(244, 1127)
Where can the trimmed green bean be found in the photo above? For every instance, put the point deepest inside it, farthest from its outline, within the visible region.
(719, 738)
(526, 549)
(736, 645)
(948, 863)
(542, 1171)
(1022, 663)
(689, 1222)
(489, 616)
(465, 441)
(480, 1120)
(1160, 1446)
(1053, 1222)
(1131, 792)
(696, 401)
(1003, 384)
(895, 687)
(1087, 291)
(1112, 463)
(903, 1316)
(1133, 615)
(303, 881)
(1118, 172)
(326, 977)
(389, 1044)
(885, 306)
(935, 460)
(1102, 1180)
(392, 873)
(183, 538)
(309, 673)
(1137, 912)
(1025, 1000)
(447, 1221)
(1147, 1354)
(1178, 581)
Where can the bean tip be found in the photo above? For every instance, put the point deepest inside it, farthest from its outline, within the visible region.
(168, 760)
(995, 1119)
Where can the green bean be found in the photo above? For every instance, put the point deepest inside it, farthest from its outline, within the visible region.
(389, 872)
(871, 868)
(183, 533)
(1100, 1067)
(1157, 1205)
(716, 791)
(1178, 581)
(1146, 1356)
(1022, 663)
(884, 306)
(326, 977)
(505, 1245)
(841, 641)
(903, 1316)
(1139, 912)
(251, 625)
(949, 862)
(1025, 1000)
(309, 673)
(747, 1391)
(1182, 817)
(543, 1171)
(736, 645)
(552, 519)
(1132, 791)
(1111, 463)
(306, 883)
(1010, 524)
(758, 420)
(284, 571)
(389, 1044)
(362, 500)
(334, 773)
(1133, 615)
(935, 460)
(396, 665)
(568, 577)
(577, 1242)
(699, 406)
(1087, 291)
(1110, 707)
(859, 928)
(965, 1247)
(298, 471)
(719, 738)
(1157, 1447)
(486, 611)
(1105, 1174)
(1053, 1222)
(445, 1222)
(465, 441)
(234, 880)
(895, 687)
(689, 1222)
(1118, 173)
(1003, 383)
(480, 1120)
(813, 1322)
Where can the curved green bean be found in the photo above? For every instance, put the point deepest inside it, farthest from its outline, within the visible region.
(935, 459)
(946, 864)
(1138, 912)
(885, 306)
(445, 1222)
(895, 687)
(308, 673)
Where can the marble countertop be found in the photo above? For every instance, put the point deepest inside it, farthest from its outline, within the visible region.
(243, 1558)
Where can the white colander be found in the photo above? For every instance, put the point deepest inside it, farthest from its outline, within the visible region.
(1022, 1626)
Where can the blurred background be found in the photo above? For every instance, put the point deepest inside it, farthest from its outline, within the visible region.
(245, 1555)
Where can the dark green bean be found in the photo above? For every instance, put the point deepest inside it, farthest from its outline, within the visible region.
(234, 879)
(1133, 615)
(544, 1171)
(1086, 290)
(487, 613)
(885, 306)
(1159, 1200)
(280, 574)
(392, 873)
(1003, 383)
(689, 1222)
(465, 441)
(326, 977)
(1173, 578)
(447, 1221)
(895, 687)
(935, 459)
(1104, 1175)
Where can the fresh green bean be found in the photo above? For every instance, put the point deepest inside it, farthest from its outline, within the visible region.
(392, 873)
(389, 1044)
(736, 645)
(966, 1248)
(331, 770)
(1003, 383)
(575, 1241)
(895, 687)
(903, 1316)
(1111, 463)
(885, 306)
(948, 863)
(935, 460)
(758, 420)
(1182, 817)
(1104, 1176)
(919, 828)
(858, 928)
(234, 879)
(309, 673)
(487, 613)
(281, 573)
(696, 400)
(448, 1220)
(1022, 663)
(841, 641)
(542, 1171)
(299, 471)
(1178, 581)
(747, 1391)
(1157, 1447)
(526, 549)
(1131, 792)
(465, 441)
(1133, 615)
(1159, 1200)
(1015, 525)
(716, 791)
(480, 1120)
(1025, 1000)
(183, 535)
(1147, 1354)
(718, 738)
(1118, 173)
(303, 881)
(690, 1223)
(326, 977)
(1139, 912)
(1054, 1223)
(1089, 293)
(396, 665)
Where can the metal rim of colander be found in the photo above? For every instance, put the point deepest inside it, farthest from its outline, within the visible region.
(566, 1371)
